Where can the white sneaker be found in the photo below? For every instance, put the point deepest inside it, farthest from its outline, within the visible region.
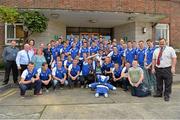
(105, 95)
(97, 95)
(47, 91)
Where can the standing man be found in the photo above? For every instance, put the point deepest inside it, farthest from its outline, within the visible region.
(24, 57)
(164, 63)
(9, 57)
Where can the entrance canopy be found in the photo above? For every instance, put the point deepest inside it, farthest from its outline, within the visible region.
(98, 19)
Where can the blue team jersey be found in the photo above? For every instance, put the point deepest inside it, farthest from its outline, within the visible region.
(149, 55)
(107, 67)
(85, 68)
(44, 75)
(117, 73)
(30, 75)
(83, 50)
(117, 58)
(60, 72)
(74, 70)
(74, 52)
(53, 51)
(93, 50)
(141, 56)
(130, 55)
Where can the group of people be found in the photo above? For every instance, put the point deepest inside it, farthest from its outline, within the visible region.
(76, 63)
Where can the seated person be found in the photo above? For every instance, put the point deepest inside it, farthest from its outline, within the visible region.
(116, 75)
(59, 75)
(29, 79)
(87, 73)
(107, 68)
(45, 76)
(124, 76)
(73, 73)
(135, 77)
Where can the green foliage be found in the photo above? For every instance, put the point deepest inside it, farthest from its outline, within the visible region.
(34, 21)
(8, 15)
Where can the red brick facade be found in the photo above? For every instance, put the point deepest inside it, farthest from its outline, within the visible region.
(169, 7)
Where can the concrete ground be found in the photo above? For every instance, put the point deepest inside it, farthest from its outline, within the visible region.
(81, 104)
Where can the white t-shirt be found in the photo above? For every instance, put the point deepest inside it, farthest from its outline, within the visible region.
(166, 58)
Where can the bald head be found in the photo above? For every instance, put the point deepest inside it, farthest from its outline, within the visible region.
(26, 47)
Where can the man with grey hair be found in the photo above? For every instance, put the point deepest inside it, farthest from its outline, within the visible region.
(23, 58)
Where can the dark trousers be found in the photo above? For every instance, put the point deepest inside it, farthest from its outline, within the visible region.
(8, 66)
(36, 85)
(46, 86)
(23, 67)
(164, 77)
(87, 79)
(110, 77)
(72, 83)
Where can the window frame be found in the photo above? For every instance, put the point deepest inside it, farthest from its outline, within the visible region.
(8, 39)
(161, 27)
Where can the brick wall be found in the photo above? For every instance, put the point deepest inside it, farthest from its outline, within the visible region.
(169, 7)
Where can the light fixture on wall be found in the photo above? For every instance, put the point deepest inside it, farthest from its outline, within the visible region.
(92, 21)
(144, 30)
(131, 18)
(54, 15)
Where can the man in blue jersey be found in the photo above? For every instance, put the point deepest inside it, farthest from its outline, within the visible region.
(140, 53)
(150, 77)
(129, 53)
(84, 49)
(116, 73)
(29, 79)
(45, 76)
(73, 73)
(59, 75)
(74, 50)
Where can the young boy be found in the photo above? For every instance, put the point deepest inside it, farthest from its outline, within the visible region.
(135, 77)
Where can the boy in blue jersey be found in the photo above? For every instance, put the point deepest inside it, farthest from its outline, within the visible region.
(150, 77)
(68, 62)
(116, 56)
(74, 51)
(84, 49)
(66, 50)
(53, 49)
(129, 53)
(29, 79)
(94, 48)
(73, 73)
(45, 76)
(107, 68)
(87, 73)
(124, 76)
(140, 53)
(59, 75)
(116, 74)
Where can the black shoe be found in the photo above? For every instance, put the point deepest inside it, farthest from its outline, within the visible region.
(4, 83)
(166, 98)
(157, 95)
(125, 90)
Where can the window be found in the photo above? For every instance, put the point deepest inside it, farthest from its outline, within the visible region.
(13, 32)
(162, 31)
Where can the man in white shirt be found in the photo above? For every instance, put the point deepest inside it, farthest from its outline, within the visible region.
(24, 57)
(163, 64)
